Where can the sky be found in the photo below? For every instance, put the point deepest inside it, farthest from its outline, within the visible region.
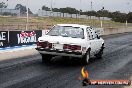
(124, 6)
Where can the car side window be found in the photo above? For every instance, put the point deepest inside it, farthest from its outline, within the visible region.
(89, 33)
(94, 34)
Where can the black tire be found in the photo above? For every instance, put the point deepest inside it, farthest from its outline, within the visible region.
(86, 58)
(46, 58)
(65, 57)
(99, 55)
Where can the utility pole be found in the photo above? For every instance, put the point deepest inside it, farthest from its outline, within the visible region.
(128, 3)
(51, 8)
(92, 19)
(27, 16)
(126, 23)
(80, 9)
(91, 9)
(7, 3)
(51, 5)
(101, 23)
(91, 5)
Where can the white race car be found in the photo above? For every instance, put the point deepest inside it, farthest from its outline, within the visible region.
(71, 40)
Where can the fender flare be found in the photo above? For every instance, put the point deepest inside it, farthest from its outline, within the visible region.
(89, 49)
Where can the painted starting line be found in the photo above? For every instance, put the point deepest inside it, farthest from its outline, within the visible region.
(16, 48)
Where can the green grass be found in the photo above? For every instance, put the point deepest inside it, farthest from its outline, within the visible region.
(47, 22)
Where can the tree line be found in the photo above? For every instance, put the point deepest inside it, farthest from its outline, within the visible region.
(23, 9)
(116, 16)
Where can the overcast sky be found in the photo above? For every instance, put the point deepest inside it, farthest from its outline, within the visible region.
(112, 5)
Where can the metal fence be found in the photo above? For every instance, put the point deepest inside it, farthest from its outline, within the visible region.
(5, 11)
(43, 13)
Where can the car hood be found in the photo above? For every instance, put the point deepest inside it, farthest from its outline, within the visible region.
(61, 40)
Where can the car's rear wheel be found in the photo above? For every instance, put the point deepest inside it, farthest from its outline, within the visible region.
(86, 58)
(46, 58)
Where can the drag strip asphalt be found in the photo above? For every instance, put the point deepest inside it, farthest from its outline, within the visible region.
(30, 72)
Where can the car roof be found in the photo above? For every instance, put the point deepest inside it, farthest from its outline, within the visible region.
(74, 25)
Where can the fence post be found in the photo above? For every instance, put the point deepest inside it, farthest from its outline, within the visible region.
(126, 23)
(101, 24)
(18, 27)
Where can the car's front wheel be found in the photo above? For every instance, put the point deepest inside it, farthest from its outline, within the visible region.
(86, 58)
(100, 53)
(46, 58)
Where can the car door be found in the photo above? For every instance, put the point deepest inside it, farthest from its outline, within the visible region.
(95, 43)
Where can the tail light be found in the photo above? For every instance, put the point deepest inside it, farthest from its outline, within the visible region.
(49, 45)
(40, 43)
(44, 44)
(72, 47)
(65, 46)
(75, 47)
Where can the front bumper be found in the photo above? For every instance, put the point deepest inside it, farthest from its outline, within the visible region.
(59, 52)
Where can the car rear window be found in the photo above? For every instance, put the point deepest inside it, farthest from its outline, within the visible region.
(67, 31)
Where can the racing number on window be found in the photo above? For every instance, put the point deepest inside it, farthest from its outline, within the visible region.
(89, 34)
(94, 35)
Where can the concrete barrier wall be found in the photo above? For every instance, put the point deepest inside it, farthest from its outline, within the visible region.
(115, 30)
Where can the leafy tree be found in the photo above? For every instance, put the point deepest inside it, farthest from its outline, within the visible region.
(129, 17)
(22, 9)
(118, 17)
(63, 10)
(46, 8)
(56, 10)
(103, 13)
(3, 5)
(69, 10)
(89, 13)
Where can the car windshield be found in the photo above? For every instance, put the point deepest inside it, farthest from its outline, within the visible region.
(67, 31)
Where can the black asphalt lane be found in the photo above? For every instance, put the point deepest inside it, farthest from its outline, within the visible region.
(30, 72)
